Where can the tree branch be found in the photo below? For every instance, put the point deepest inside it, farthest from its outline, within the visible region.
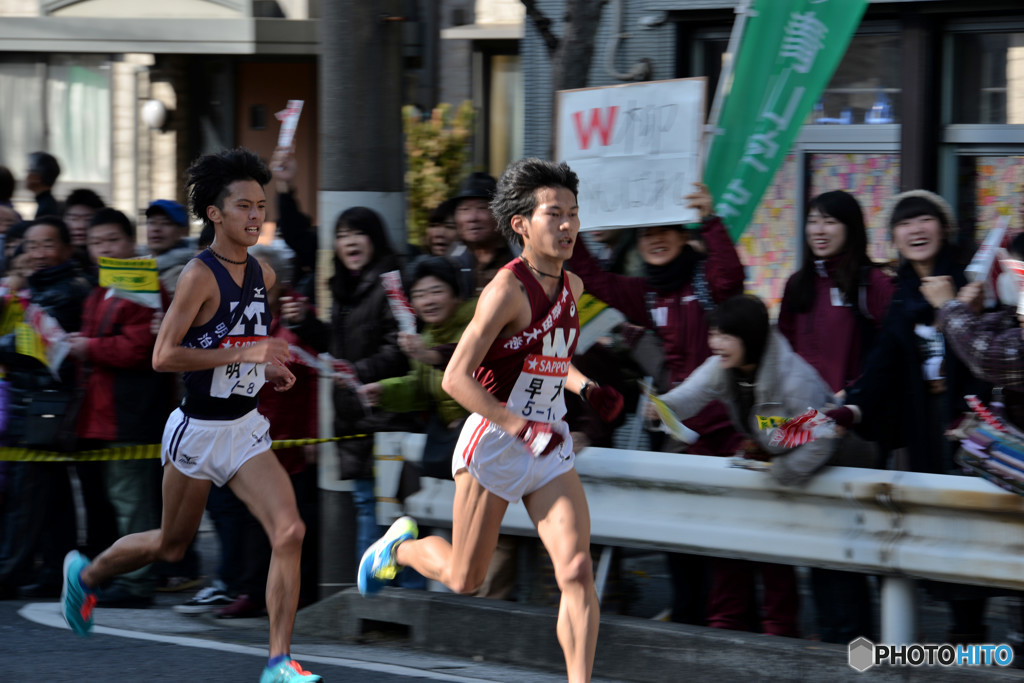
(543, 25)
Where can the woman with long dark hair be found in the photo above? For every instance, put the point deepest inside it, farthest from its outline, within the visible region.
(364, 332)
(834, 305)
(831, 311)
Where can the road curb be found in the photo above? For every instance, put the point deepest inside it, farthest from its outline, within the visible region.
(628, 649)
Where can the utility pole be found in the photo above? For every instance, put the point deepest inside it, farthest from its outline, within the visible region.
(361, 153)
(361, 164)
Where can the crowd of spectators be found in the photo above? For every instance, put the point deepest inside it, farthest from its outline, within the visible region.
(890, 350)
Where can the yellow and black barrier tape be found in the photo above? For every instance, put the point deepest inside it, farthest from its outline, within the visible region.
(149, 451)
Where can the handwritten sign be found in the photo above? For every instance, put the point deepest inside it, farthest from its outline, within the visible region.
(636, 149)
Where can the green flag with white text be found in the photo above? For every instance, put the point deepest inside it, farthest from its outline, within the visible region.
(787, 54)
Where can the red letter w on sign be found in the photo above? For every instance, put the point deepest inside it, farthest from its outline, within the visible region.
(604, 128)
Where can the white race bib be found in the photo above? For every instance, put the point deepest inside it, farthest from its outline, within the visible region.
(243, 379)
(539, 392)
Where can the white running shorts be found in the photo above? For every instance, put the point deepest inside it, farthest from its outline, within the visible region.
(503, 464)
(213, 449)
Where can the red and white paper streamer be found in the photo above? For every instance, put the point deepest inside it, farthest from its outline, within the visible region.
(400, 306)
(804, 428)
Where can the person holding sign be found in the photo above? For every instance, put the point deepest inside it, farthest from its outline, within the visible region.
(215, 332)
(125, 402)
(686, 273)
(511, 369)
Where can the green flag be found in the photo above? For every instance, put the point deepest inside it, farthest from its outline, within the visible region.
(787, 54)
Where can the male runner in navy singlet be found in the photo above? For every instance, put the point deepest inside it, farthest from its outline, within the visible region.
(511, 369)
(215, 333)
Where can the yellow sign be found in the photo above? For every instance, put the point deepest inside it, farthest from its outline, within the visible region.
(13, 313)
(28, 342)
(131, 275)
(588, 307)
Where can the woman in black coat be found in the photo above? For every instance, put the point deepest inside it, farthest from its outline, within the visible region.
(363, 331)
(913, 384)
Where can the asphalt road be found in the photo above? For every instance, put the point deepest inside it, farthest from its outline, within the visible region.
(157, 644)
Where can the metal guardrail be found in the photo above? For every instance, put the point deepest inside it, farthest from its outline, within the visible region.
(900, 525)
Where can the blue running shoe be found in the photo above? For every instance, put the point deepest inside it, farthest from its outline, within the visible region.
(76, 602)
(378, 565)
(288, 671)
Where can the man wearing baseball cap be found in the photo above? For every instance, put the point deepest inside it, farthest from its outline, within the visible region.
(485, 250)
(167, 231)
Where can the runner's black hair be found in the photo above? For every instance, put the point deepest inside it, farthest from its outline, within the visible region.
(208, 178)
(517, 190)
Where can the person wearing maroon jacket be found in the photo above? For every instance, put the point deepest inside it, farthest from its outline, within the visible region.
(832, 309)
(833, 306)
(687, 273)
(126, 401)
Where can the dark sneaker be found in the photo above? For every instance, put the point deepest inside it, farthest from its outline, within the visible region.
(242, 608)
(209, 599)
(76, 602)
(288, 672)
(378, 565)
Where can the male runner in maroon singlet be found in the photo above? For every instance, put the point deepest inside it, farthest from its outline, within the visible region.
(511, 369)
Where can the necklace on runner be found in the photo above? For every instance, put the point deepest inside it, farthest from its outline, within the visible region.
(539, 272)
(225, 258)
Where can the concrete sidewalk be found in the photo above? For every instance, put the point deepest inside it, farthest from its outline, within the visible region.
(629, 649)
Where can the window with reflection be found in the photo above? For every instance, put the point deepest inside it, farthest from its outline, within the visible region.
(988, 78)
(865, 88)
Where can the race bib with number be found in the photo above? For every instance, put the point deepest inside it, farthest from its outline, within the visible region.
(539, 392)
(243, 379)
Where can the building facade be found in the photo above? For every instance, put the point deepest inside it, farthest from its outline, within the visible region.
(930, 94)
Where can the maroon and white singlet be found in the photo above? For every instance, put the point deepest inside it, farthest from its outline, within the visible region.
(527, 372)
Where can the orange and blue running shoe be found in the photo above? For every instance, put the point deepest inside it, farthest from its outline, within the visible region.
(76, 602)
(288, 671)
(378, 565)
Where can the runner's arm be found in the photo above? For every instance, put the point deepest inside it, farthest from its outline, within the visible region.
(500, 304)
(195, 289)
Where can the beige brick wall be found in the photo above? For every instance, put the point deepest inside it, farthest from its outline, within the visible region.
(19, 8)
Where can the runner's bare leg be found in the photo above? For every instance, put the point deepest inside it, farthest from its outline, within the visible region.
(476, 521)
(263, 485)
(184, 500)
(560, 511)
